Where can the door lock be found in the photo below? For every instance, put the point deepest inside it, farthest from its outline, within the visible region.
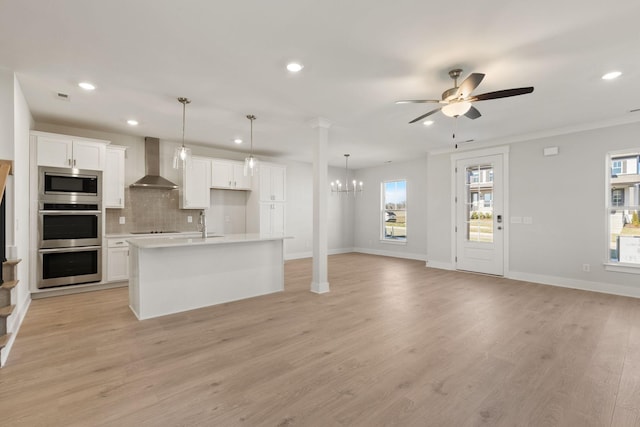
(499, 219)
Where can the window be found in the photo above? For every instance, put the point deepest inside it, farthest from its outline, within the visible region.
(394, 211)
(623, 209)
(617, 197)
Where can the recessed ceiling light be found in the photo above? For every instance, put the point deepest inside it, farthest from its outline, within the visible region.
(86, 86)
(237, 141)
(294, 67)
(427, 122)
(612, 75)
(132, 122)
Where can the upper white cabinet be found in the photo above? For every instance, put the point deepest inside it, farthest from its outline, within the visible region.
(196, 183)
(113, 177)
(229, 175)
(272, 183)
(64, 151)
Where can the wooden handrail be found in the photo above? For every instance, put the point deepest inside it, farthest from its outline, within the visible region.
(5, 170)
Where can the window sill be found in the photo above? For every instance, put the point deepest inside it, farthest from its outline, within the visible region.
(394, 242)
(622, 267)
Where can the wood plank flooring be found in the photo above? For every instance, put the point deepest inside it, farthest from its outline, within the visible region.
(393, 343)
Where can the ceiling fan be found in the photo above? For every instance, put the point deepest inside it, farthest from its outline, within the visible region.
(457, 100)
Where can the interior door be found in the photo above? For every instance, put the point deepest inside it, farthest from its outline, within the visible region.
(480, 217)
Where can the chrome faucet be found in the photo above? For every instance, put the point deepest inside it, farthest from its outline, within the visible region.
(203, 223)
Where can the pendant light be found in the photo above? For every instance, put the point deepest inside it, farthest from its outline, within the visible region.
(337, 187)
(182, 153)
(250, 163)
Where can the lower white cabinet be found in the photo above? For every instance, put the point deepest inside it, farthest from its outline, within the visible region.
(117, 260)
(271, 218)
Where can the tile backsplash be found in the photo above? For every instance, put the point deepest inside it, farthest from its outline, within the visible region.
(150, 210)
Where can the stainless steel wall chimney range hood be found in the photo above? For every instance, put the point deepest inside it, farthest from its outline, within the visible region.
(152, 179)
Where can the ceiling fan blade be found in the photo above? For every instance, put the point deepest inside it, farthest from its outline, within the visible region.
(425, 115)
(418, 101)
(473, 113)
(469, 84)
(502, 94)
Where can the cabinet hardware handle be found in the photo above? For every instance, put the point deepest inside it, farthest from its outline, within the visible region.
(229, 183)
(69, 161)
(74, 162)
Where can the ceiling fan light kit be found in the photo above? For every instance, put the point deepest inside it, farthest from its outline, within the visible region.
(458, 100)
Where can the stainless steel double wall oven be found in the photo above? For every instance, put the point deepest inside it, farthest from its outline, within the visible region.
(69, 226)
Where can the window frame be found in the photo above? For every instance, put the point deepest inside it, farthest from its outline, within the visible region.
(383, 209)
(609, 264)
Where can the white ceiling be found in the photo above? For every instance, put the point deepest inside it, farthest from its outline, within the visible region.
(360, 56)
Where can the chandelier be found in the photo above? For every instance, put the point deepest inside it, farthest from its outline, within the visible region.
(181, 154)
(340, 188)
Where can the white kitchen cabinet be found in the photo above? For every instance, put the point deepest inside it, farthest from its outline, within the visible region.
(66, 151)
(272, 185)
(266, 203)
(229, 175)
(196, 183)
(113, 177)
(271, 218)
(117, 260)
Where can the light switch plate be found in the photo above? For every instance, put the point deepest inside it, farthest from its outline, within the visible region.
(527, 220)
(516, 220)
(121, 220)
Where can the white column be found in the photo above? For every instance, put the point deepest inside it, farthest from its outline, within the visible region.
(320, 276)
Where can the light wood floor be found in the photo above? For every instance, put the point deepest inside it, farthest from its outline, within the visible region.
(393, 343)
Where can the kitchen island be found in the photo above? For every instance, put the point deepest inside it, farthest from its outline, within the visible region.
(173, 274)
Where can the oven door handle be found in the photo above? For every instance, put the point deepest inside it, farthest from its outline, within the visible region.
(74, 249)
(70, 212)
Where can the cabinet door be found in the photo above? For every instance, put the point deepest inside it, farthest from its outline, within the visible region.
(264, 178)
(241, 182)
(278, 184)
(265, 218)
(221, 174)
(88, 155)
(55, 152)
(277, 218)
(196, 184)
(272, 183)
(118, 264)
(113, 178)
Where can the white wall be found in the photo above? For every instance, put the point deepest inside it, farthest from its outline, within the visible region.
(367, 221)
(15, 123)
(565, 196)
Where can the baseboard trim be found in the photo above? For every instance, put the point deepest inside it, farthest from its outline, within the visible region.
(584, 285)
(301, 255)
(405, 255)
(440, 265)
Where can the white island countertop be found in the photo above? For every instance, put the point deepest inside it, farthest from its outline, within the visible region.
(170, 274)
(176, 241)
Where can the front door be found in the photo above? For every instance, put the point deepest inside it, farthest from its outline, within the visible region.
(480, 214)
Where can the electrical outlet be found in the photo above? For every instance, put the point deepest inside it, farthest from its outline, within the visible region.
(121, 220)
(527, 220)
(586, 267)
(189, 219)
